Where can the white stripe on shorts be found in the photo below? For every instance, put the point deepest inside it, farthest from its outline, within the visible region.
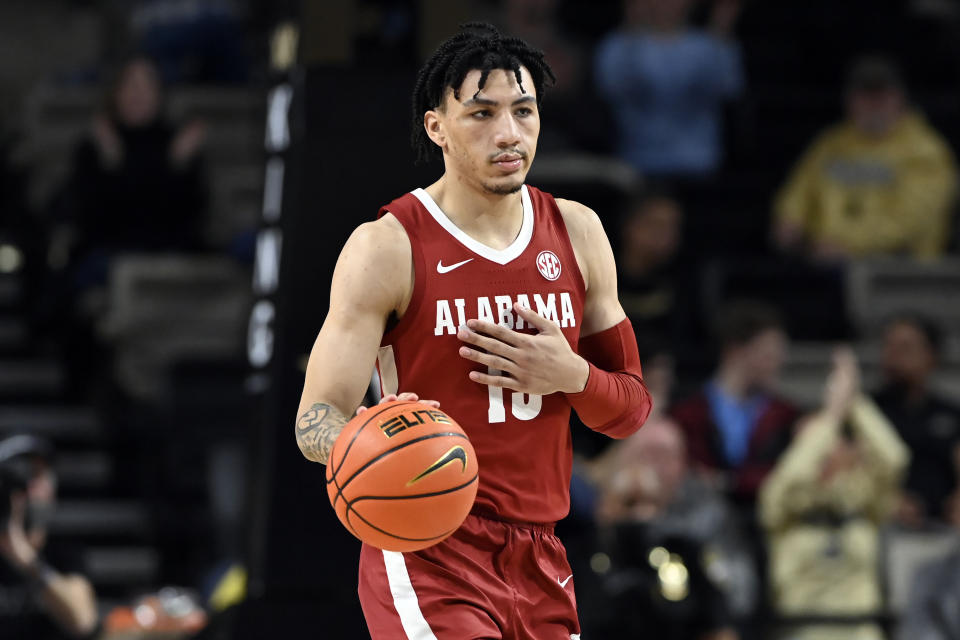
(405, 598)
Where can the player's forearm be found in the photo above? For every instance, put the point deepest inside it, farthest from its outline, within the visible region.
(614, 401)
(317, 429)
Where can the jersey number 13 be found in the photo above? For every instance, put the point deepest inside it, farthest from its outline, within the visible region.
(523, 406)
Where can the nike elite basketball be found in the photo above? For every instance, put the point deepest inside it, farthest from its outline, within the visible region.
(402, 476)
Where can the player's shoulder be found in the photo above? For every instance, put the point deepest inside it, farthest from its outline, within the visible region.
(575, 209)
(382, 242)
(374, 269)
(383, 234)
(582, 222)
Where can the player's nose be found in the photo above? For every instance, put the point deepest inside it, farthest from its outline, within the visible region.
(507, 132)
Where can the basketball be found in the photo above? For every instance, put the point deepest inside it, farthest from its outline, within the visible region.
(402, 476)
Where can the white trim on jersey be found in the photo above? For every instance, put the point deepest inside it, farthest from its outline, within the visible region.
(387, 365)
(405, 598)
(500, 256)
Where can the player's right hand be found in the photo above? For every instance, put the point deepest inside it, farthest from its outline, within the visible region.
(403, 397)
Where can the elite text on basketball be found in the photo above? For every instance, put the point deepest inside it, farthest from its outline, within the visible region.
(394, 426)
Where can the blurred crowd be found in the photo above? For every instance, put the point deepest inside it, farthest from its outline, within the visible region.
(133, 194)
(768, 510)
(737, 512)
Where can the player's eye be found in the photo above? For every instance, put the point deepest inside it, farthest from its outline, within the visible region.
(523, 112)
(482, 114)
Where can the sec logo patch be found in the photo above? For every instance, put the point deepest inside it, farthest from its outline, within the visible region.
(549, 265)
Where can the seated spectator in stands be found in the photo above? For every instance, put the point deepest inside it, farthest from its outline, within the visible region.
(650, 238)
(737, 426)
(137, 183)
(42, 595)
(667, 82)
(823, 506)
(880, 183)
(650, 504)
(927, 422)
(193, 41)
(932, 613)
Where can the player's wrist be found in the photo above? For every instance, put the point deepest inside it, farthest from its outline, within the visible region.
(582, 376)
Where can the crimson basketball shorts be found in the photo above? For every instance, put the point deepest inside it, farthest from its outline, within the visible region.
(489, 580)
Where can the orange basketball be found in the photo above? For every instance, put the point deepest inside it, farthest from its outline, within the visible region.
(402, 476)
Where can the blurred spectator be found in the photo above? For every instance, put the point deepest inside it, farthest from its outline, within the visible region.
(42, 595)
(667, 83)
(880, 183)
(650, 239)
(736, 426)
(196, 41)
(933, 612)
(537, 22)
(927, 422)
(679, 565)
(822, 507)
(137, 183)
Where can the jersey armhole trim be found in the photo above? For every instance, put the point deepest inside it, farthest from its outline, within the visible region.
(419, 284)
(561, 224)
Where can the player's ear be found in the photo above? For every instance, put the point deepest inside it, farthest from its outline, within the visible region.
(433, 124)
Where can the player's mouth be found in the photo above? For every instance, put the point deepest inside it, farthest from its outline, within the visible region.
(508, 162)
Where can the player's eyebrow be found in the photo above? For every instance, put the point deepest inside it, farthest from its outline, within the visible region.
(487, 102)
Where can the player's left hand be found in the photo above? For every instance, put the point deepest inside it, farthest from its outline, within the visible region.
(403, 397)
(541, 364)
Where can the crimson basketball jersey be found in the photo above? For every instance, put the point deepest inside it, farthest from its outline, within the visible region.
(522, 441)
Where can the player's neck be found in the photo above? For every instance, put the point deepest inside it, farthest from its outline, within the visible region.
(490, 218)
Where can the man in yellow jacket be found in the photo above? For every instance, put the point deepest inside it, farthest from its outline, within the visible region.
(880, 183)
(823, 506)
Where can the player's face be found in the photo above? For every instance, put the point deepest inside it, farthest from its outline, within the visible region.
(489, 137)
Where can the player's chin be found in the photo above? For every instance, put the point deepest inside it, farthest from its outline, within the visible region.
(505, 185)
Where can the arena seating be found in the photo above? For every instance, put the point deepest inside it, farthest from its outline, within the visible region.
(183, 308)
(56, 116)
(907, 551)
(163, 309)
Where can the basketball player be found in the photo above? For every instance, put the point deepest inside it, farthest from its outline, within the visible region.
(500, 302)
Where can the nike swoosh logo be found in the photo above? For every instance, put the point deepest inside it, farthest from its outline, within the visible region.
(443, 269)
(564, 583)
(456, 453)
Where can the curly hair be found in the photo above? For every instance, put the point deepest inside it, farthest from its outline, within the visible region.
(476, 46)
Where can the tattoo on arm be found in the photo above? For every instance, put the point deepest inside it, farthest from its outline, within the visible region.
(317, 430)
